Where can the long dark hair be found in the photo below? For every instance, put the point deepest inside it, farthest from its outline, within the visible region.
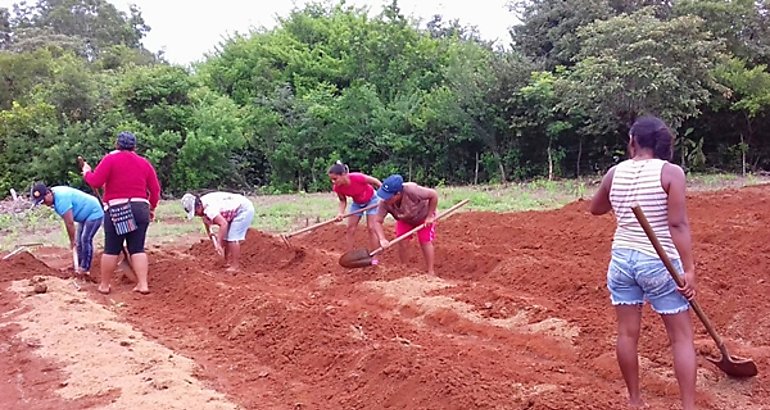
(338, 169)
(652, 133)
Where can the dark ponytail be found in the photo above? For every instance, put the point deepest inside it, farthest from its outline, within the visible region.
(338, 169)
(652, 133)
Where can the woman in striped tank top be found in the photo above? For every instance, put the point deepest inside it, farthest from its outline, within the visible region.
(635, 272)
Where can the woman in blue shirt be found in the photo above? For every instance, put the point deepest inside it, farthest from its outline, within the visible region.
(73, 206)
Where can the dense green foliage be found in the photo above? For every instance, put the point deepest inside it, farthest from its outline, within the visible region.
(274, 108)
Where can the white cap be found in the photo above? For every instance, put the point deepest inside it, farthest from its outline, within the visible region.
(188, 202)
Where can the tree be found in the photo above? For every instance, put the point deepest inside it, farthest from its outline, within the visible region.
(750, 96)
(548, 33)
(743, 24)
(85, 26)
(5, 28)
(637, 64)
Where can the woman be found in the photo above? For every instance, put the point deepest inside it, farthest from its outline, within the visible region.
(74, 206)
(635, 272)
(233, 214)
(360, 188)
(131, 194)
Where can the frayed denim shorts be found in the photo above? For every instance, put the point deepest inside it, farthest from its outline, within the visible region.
(634, 277)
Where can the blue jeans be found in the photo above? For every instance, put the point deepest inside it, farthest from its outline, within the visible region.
(84, 239)
(355, 207)
(633, 277)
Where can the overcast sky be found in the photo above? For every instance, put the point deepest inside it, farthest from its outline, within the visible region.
(186, 29)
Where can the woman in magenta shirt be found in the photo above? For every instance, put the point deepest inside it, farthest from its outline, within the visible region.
(131, 193)
(360, 188)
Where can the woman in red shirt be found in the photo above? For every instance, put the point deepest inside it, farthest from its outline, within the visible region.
(360, 188)
(131, 193)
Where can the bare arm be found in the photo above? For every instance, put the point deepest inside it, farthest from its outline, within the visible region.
(222, 232)
(675, 183)
(373, 181)
(342, 205)
(432, 197)
(69, 222)
(600, 203)
(207, 226)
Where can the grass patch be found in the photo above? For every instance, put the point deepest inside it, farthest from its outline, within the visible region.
(282, 213)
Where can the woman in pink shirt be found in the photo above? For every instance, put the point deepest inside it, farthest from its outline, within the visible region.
(131, 193)
(360, 188)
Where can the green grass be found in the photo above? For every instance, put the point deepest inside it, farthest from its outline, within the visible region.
(281, 213)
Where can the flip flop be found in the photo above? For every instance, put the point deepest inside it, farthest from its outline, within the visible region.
(109, 288)
(143, 292)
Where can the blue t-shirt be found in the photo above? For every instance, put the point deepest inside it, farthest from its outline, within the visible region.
(84, 207)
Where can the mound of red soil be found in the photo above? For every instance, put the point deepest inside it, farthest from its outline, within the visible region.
(23, 265)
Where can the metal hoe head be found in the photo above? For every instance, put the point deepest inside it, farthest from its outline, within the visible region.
(357, 258)
(735, 366)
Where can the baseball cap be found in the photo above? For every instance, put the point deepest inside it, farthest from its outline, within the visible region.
(38, 193)
(188, 203)
(390, 186)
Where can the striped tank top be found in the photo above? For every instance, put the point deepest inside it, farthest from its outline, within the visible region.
(639, 181)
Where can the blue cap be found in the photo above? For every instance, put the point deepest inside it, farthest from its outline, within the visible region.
(126, 141)
(390, 186)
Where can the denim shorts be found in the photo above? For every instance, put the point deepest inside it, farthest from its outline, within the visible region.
(375, 200)
(634, 277)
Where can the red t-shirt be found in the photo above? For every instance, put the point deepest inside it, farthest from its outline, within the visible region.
(124, 175)
(358, 188)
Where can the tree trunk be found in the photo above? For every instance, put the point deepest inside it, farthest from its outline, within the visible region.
(410, 169)
(550, 161)
(579, 157)
(500, 166)
(745, 148)
(476, 174)
(743, 157)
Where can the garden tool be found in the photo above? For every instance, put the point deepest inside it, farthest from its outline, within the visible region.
(359, 258)
(732, 366)
(285, 237)
(20, 248)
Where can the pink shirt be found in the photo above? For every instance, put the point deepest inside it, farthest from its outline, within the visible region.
(358, 189)
(124, 175)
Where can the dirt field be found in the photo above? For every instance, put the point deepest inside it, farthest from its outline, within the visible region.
(518, 318)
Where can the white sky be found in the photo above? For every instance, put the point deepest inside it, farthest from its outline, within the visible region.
(186, 29)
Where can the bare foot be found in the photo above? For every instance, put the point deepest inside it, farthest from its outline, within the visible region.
(103, 290)
(637, 404)
(232, 270)
(144, 291)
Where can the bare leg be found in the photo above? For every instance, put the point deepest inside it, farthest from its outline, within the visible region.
(350, 232)
(428, 251)
(108, 265)
(227, 254)
(141, 266)
(680, 334)
(234, 252)
(629, 323)
(370, 223)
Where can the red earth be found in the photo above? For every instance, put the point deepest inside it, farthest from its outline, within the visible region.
(518, 318)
